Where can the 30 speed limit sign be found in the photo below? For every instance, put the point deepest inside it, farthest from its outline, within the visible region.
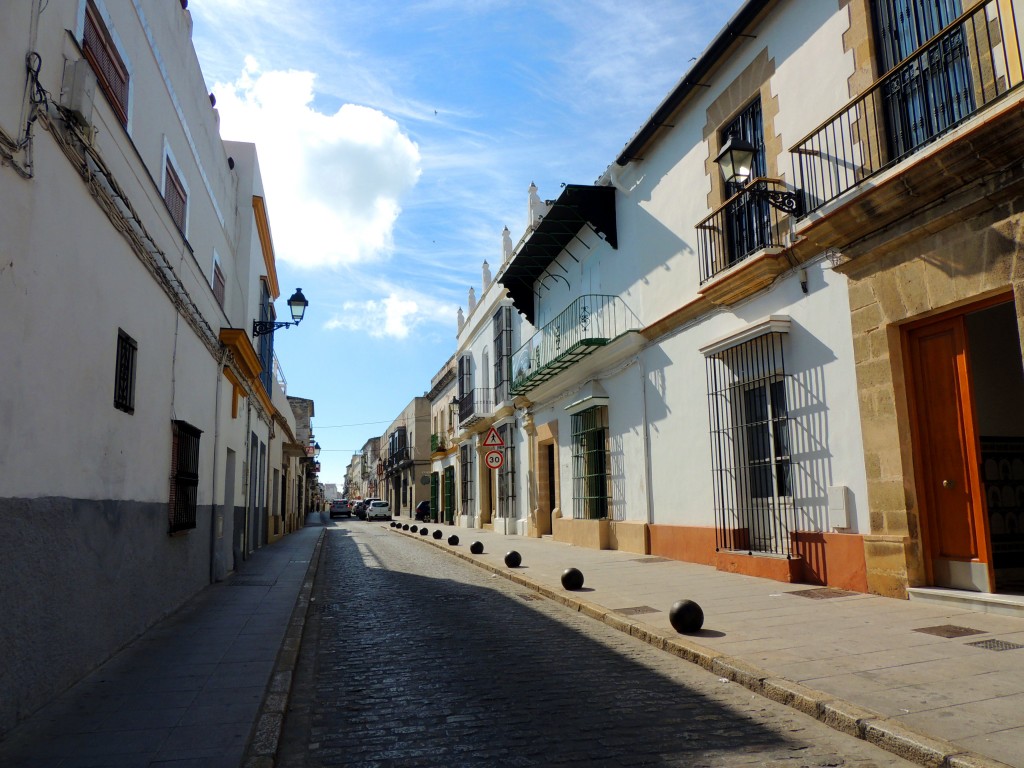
(494, 459)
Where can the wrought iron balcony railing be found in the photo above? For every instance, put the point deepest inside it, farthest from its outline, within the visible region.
(747, 222)
(971, 63)
(437, 442)
(475, 405)
(589, 322)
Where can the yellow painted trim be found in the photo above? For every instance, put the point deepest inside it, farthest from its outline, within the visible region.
(237, 390)
(259, 208)
(238, 342)
(263, 397)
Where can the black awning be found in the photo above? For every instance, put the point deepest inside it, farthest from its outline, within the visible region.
(577, 206)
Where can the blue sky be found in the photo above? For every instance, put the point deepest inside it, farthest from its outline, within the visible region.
(397, 140)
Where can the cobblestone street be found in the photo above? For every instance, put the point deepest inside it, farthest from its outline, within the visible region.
(413, 658)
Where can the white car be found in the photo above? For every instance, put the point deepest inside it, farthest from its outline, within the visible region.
(378, 510)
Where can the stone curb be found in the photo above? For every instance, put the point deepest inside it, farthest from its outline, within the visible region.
(841, 715)
(266, 734)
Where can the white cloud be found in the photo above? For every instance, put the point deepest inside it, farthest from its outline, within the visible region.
(334, 182)
(395, 316)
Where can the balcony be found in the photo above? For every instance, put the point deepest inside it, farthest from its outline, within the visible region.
(437, 443)
(589, 322)
(746, 224)
(968, 66)
(475, 405)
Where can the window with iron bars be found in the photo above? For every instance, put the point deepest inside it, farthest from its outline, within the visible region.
(507, 475)
(748, 218)
(502, 353)
(449, 493)
(590, 463)
(466, 474)
(750, 446)
(184, 476)
(266, 340)
(111, 72)
(124, 373)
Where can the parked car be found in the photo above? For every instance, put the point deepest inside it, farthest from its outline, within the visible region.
(360, 508)
(378, 510)
(340, 508)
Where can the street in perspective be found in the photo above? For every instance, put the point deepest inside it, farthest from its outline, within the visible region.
(412, 657)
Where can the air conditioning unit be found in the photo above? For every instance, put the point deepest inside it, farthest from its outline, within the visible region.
(79, 91)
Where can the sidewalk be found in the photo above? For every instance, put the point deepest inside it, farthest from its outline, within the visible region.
(910, 677)
(188, 693)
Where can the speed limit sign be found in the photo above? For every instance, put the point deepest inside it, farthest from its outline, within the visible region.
(494, 459)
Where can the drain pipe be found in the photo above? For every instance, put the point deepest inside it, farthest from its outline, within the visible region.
(647, 440)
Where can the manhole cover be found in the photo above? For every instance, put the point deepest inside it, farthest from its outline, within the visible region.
(636, 611)
(653, 560)
(996, 645)
(949, 630)
(823, 593)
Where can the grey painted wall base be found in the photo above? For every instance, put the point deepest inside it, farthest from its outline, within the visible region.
(81, 579)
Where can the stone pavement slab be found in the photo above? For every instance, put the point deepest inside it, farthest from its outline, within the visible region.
(952, 695)
(188, 692)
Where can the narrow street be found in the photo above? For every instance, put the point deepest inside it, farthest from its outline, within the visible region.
(414, 658)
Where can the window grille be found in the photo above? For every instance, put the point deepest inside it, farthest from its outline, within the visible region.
(590, 463)
(507, 475)
(502, 353)
(218, 285)
(266, 340)
(435, 491)
(175, 197)
(449, 493)
(748, 218)
(106, 62)
(184, 476)
(750, 446)
(124, 376)
(466, 473)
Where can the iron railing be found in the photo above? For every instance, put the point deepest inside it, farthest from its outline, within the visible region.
(745, 223)
(475, 405)
(971, 63)
(589, 322)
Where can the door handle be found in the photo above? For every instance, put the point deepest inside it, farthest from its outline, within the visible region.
(948, 483)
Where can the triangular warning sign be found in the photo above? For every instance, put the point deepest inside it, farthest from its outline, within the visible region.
(493, 439)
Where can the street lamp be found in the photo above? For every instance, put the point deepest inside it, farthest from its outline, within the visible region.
(297, 304)
(736, 161)
(316, 450)
(453, 407)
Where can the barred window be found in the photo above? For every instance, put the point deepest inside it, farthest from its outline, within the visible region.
(106, 62)
(466, 473)
(184, 476)
(449, 492)
(502, 353)
(590, 463)
(265, 341)
(174, 196)
(124, 374)
(750, 446)
(507, 475)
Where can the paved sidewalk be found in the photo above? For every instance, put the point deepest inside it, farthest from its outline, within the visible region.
(907, 676)
(189, 692)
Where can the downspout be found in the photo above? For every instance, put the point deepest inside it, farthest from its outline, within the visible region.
(248, 474)
(213, 480)
(647, 442)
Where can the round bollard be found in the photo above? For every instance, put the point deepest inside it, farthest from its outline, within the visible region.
(394, 524)
(438, 534)
(686, 616)
(405, 527)
(453, 540)
(414, 528)
(513, 559)
(424, 531)
(476, 548)
(572, 579)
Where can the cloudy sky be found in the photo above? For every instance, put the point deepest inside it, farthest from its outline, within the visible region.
(398, 139)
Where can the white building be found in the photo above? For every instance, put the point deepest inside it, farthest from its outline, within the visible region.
(136, 255)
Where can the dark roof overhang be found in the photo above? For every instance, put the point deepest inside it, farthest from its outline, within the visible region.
(736, 28)
(577, 206)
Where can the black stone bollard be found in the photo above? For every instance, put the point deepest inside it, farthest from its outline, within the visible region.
(513, 559)
(405, 527)
(424, 531)
(686, 616)
(572, 579)
(438, 535)
(453, 540)
(414, 528)
(476, 548)
(394, 524)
